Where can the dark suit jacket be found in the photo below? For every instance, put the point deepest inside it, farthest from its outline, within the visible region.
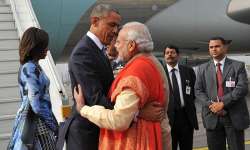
(234, 97)
(91, 69)
(187, 79)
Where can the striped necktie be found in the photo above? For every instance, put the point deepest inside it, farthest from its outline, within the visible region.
(220, 92)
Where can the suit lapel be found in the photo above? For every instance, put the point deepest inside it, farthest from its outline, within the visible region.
(98, 52)
(170, 84)
(169, 81)
(226, 68)
(212, 78)
(182, 74)
(167, 74)
(171, 104)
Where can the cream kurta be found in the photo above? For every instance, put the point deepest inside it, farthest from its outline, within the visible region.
(120, 117)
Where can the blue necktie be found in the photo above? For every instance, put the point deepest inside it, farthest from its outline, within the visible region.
(104, 48)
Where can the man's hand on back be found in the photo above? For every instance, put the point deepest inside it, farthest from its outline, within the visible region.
(152, 111)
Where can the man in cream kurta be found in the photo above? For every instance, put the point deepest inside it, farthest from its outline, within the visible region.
(131, 97)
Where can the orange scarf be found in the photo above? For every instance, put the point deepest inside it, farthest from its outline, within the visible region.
(142, 76)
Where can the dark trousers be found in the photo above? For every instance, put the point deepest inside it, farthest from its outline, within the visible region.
(82, 135)
(182, 132)
(225, 132)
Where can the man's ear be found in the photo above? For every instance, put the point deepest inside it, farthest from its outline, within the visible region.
(132, 46)
(94, 21)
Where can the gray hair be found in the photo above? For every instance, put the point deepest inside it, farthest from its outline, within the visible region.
(139, 33)
(102, 10)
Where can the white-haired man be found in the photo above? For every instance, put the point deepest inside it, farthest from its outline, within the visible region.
(141, 79)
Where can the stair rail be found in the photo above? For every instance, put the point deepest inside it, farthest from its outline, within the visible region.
(24, 18)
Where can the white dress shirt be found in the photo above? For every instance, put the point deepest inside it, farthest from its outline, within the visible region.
(95, 39)
(178, 76)
(222, 62)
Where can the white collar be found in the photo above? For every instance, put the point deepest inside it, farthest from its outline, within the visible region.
(176, 67)
(222, 62)
(96, 40)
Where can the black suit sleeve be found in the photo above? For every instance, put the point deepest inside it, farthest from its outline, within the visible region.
(84, 70)
(193, 78)
(191, 108)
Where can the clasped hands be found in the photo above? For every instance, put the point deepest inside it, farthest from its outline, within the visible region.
(216, 107)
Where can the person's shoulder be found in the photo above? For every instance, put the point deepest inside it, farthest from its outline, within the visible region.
(144, 65)
(143, 60)
(83, 43)
(202, 68)
(30, 68)
(185, 67)
(136, 64)
(82, 49)
(205, 65)
(29, 65)
(235, 62)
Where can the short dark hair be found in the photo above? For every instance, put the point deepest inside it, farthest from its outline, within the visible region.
(32, 44)
(223, 41)
(171, 46)
(101, 10)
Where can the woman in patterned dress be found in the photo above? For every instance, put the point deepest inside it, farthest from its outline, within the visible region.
(34, 90)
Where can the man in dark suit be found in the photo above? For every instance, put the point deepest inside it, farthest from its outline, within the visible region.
(89, 67)
(181, 108)
(221, 86)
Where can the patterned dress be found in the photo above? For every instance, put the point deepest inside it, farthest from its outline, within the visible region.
(34, 90)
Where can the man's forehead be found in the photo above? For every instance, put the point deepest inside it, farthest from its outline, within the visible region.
(213, 42)
(111, 14)
(122, 32)
(112, 19)
(170, 49)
